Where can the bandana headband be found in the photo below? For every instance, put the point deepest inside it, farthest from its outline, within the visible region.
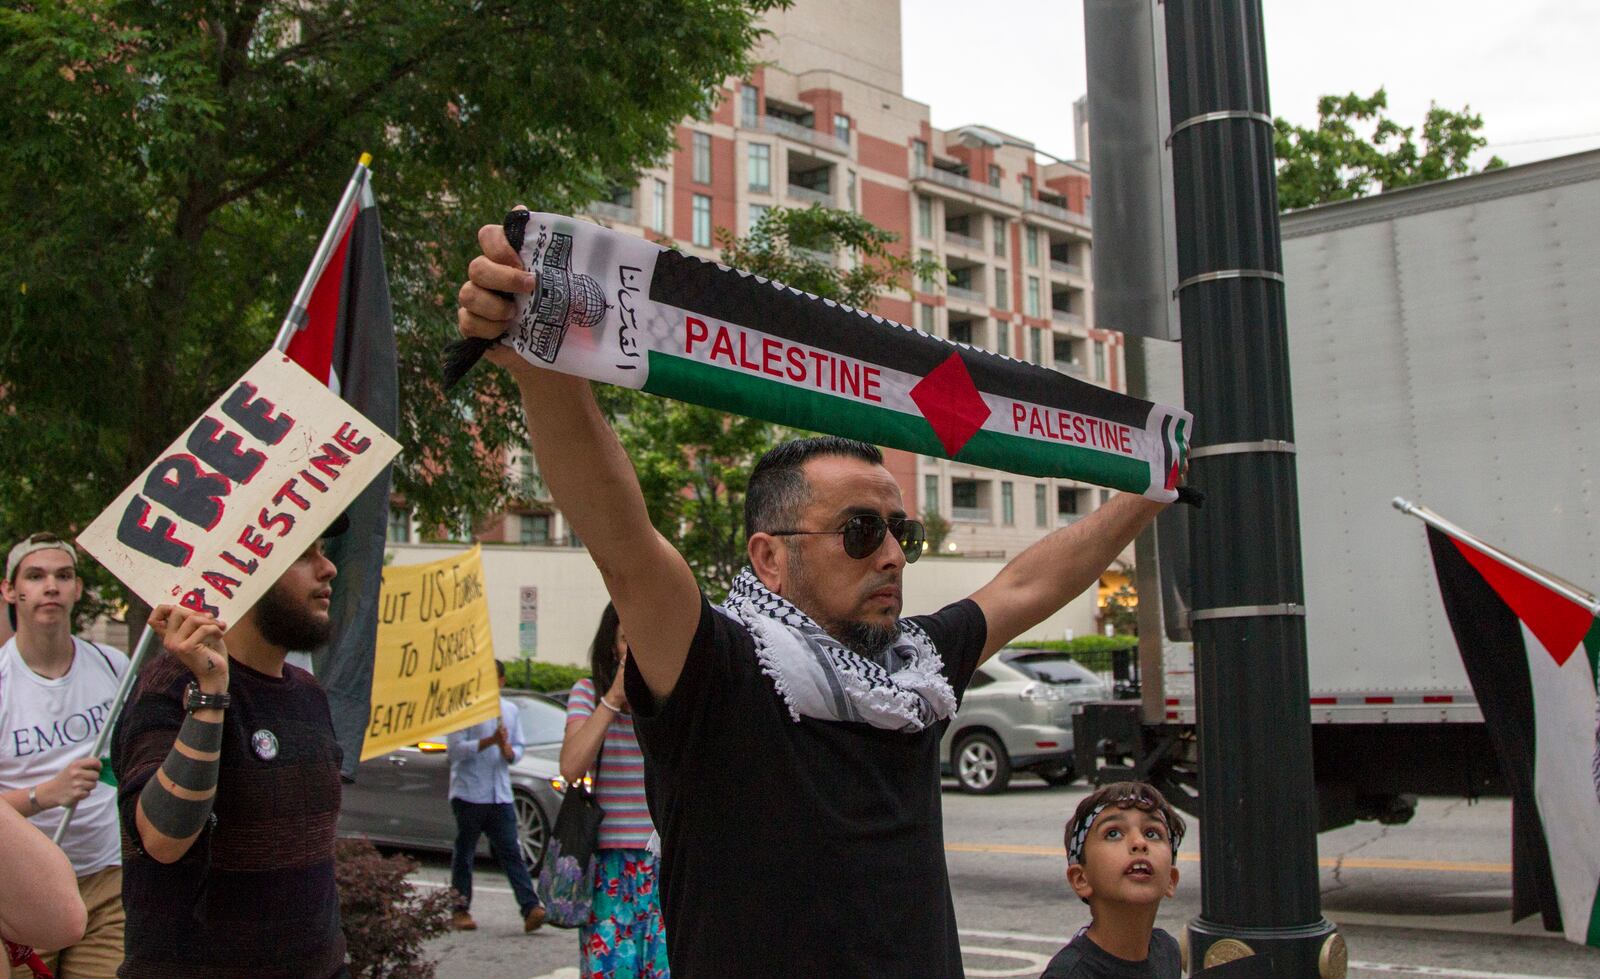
(1080, 831)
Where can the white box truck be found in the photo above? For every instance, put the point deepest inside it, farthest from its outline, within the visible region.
(1444, 347)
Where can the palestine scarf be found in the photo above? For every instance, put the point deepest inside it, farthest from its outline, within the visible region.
(901, 689)
(615, 308)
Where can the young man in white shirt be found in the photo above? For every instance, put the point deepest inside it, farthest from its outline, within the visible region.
(55, 696)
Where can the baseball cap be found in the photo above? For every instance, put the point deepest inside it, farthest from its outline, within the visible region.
(42, 541)
(340, 524)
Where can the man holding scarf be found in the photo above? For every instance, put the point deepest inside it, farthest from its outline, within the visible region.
(791, 735)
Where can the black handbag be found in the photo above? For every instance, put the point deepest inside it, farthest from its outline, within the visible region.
(566, 881)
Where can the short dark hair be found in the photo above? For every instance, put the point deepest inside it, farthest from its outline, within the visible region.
(1125, 795)
(500, 668)
(603, 651)
(778, 488)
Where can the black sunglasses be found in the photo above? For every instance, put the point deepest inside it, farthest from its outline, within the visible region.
(864, 533)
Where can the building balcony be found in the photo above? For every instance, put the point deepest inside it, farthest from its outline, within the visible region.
(613, 212)
(1070, 369)
(922, 171)
(967, 295)
(1065, 318)
(798, 193)
(823, 258)
(1058, 213)
(804, 134)
(1066, 268)
(963, 241)
(972, 514)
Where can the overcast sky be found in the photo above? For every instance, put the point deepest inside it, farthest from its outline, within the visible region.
(1529, 68)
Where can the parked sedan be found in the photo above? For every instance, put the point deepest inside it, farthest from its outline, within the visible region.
(1017, 716)
(401, 798)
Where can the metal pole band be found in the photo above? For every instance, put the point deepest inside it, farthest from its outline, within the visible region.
(1218, 116)
(1245, 612)
(1218, 276)
(1231, 448)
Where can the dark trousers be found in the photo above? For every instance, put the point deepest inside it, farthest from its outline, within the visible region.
(497, 820)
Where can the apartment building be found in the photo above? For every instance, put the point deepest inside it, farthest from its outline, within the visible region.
(824, 121)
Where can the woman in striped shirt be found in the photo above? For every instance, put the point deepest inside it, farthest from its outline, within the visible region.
(625, 937)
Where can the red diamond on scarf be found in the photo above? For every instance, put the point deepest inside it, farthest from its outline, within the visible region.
(951, 403)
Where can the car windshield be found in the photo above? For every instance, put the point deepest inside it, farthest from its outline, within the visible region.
(1051, 667)
(542, 722)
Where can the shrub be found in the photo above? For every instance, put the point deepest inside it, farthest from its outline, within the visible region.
(542, 677)
(386, 919)
(1093, 651)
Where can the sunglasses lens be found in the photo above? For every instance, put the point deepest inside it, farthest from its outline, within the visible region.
(863, 534)
(911, 535)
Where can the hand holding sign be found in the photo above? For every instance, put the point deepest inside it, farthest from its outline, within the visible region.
(195, 638)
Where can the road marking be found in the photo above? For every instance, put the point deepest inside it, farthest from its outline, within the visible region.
(1032, 964)
(476, 888)
(1388, 967)
(1360, 863)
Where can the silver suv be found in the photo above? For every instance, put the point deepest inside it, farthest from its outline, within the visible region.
(1017, 716)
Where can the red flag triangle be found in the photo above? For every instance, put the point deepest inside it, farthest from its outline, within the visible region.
(1556, 621)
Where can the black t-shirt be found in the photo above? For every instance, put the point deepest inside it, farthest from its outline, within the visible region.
(810, 848)
(1081, 958)
(255, 895)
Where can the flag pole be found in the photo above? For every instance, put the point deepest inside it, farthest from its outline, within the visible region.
(1564, 588)
(291, 324)
(330, 239)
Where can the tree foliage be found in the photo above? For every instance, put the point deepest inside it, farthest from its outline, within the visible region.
(1357, 149)
(167, 169)
(694, 462)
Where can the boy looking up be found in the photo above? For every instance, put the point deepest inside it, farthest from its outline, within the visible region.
(1121, 847)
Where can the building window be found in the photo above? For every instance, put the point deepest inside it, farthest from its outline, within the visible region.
(1033, 246)
(1099, 361)
(850, 189)
(919, 151)
(1008, 504)
(702, 158)
(399, 526)
(966, 501)
(702, 221)
(1105, 497)
(1002, 338)
(760, 166)
(926, 313)
(1000, 237)
(961, 331)
(1027, 188)
(1031, 297)
(927, 281)
(1069, 503)
(1041, 505)
(994, 175)
(841, 127)
(534, 528)
(1002, 290)
(930, 493)
(925, 217)
(658, 206)
(750, 106)
(757, 212)
(1036, 346)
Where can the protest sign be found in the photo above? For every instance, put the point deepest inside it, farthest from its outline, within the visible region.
(434, 671)
(241, 494)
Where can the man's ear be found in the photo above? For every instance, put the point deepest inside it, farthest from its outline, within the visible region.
(8, 591)
(1172, 888)
(767, 560)
(1078, 880)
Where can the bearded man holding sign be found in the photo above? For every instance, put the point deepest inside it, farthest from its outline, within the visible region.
(803, 716)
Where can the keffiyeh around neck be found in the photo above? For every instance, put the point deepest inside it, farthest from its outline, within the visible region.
(900, 689)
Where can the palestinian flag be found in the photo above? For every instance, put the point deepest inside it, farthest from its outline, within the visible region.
(615, 308)
(1531, 653)
(346, 340)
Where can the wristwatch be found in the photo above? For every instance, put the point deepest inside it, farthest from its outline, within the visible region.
(194, 699)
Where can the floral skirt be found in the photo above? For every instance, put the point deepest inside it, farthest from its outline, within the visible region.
(625, 937)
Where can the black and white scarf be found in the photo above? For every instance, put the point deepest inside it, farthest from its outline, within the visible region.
(900, 689)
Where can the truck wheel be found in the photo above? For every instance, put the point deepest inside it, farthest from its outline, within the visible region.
(1063, 774)
(981, 764)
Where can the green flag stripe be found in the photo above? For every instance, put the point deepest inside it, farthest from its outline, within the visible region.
(1593, 936)
(106, 774)
(1591, 645)
(692, 381)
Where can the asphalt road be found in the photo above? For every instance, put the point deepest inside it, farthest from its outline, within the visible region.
(1432, 897)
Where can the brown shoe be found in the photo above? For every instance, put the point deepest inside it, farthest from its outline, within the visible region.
(535, 919)
(462, 921)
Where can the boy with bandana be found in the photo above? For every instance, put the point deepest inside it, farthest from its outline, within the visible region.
(1122, 844)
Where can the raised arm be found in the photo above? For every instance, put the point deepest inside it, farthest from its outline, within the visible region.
(175, 804)
(1059, 567)
(590, 478)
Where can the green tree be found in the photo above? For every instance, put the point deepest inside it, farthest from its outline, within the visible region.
(1356, 149)
(694, 462)
(166, 171)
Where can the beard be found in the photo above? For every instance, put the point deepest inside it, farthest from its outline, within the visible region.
(861, 637)
(283, 620)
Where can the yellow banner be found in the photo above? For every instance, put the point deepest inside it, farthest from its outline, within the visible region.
(434, 671)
